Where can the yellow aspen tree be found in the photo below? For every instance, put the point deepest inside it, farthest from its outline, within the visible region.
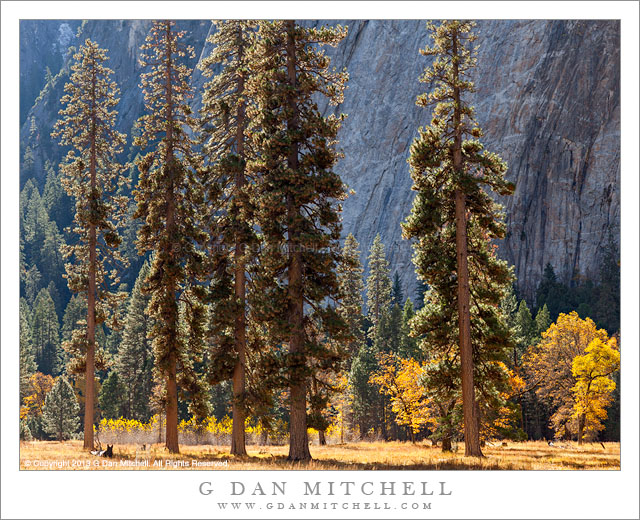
(594, 386)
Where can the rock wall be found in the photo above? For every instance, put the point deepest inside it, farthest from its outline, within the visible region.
(552, 110)
(548, 99)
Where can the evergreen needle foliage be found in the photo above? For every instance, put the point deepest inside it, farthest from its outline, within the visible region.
(225, 125)
(351, 288)
(60, 411)
(453, 223)
(27, 356)
(299, 214)
(135, 361)
(246, 320)
(170, 201)
(45, 334)
(379, 290)
(92, 175)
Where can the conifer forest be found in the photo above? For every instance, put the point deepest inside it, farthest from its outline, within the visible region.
(298, 236)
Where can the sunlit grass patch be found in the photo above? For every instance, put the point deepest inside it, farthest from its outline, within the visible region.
(532, 455)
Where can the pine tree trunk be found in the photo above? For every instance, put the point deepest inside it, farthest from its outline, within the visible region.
(377, 305)
(91, 345)
(171, 427)
(471, 434)
(91, 289)
(298, 438)
(384, 418)
(238, 446)
(171, 440)
(61, 422)
(322, 441)
(538, 422)
(342, 423)
(239, 413)
(446, 444)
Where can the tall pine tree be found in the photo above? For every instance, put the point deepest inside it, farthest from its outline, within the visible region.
(299, 192)
(351, 287)
(453, 219)
(27, 357)
(552, 293)
(60, 411)
(112, 396)
(170, 202)
(398, 295)
(134, 361)
(32, 284)
(366, 400)
(45, 334)
(608, 305)
(542, 321)
(91, 174)
(379, 290)
(408, 344)
(225, 124)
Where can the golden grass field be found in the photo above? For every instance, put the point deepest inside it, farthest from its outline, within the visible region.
(531, 455)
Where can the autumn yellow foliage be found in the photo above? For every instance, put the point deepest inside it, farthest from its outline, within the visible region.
(400, 380)
(594, 387)
(40, 385)
(192, 431)
(569, 369)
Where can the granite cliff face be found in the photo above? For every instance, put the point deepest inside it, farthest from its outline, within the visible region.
(550, 105)
(548, 99)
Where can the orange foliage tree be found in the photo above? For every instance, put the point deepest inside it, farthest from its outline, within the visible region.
(400, 380)
(550, 369)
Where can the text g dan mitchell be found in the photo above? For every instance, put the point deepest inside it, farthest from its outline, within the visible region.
(328, 488)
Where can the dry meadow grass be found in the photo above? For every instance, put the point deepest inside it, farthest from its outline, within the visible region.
(531, 455)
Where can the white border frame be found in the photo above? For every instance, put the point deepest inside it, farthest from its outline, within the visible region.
(535, 494)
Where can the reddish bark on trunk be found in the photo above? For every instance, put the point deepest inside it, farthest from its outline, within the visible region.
(171, 441)
(471, 433)
(298, 438)
(239, 412)
(89, 390)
